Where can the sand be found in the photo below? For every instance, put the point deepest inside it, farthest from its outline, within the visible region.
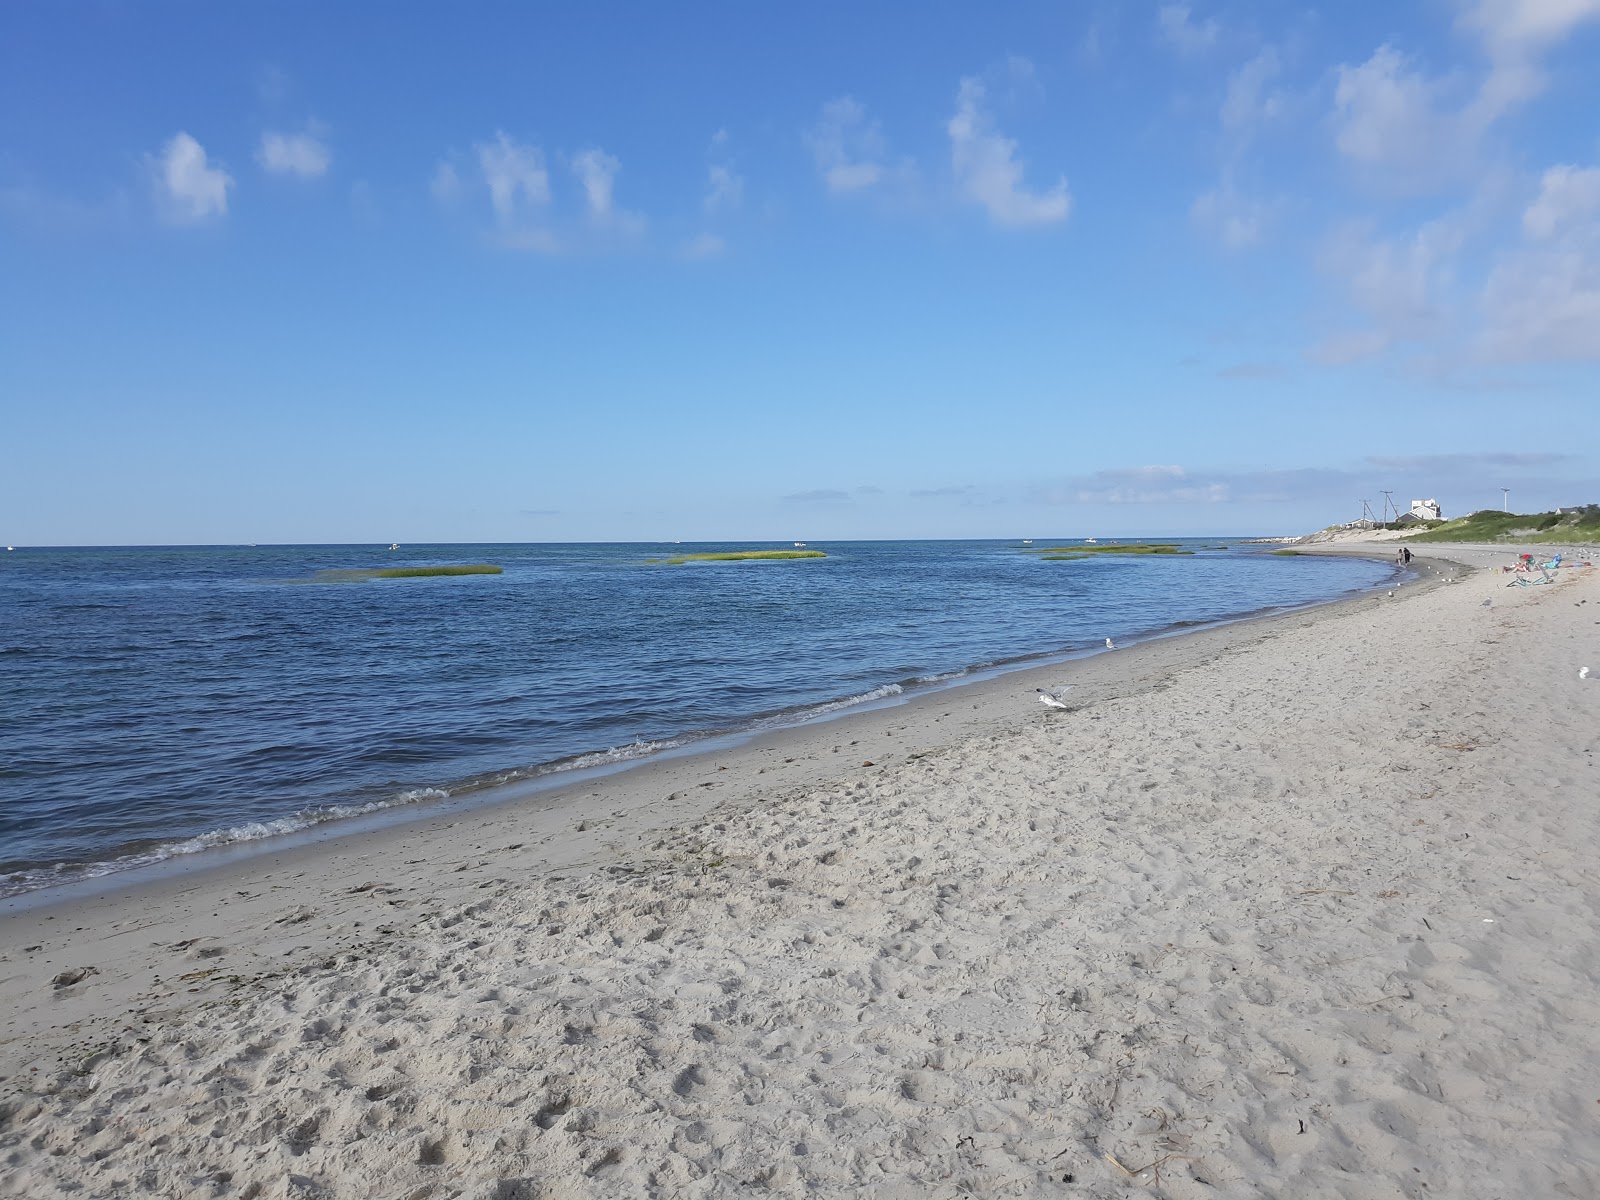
(1304, 907)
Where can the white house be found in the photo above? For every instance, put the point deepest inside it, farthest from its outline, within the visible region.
(1426, 510)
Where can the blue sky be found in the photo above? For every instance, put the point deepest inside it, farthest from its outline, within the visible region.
(306, 272)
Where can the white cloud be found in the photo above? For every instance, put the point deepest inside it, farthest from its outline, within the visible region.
(1508, 24)
(513, 170)
(446, 184)
(1468, 463)
(724, 189)
(191, 188)
(849, 150)
(988, 172)
(300, 154)
(702, 246)
(1568, 202)
(1182, 33)
(1515, 34)
(1404, 285)
(1248, 102)
(1141, 485)
(516, 176)
(1388, 116)
(597, 172)
(1542, 297)
(1238, 220)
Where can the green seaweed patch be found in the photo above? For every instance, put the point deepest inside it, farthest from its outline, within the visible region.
(1067, 553)
(742, 556)
(357, 574)
(1290, 553)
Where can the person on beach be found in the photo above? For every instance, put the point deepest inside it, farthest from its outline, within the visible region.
(1405, 552)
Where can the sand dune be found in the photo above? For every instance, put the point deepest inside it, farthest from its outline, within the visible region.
(1307, 907)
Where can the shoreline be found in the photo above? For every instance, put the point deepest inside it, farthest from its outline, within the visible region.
(564, 825)
(221, 848)
(629, 794)
(1302, 869)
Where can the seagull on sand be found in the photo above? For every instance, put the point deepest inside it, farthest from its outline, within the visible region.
(1583, 672)
(1056, 702)
(1110, 645)
(1487, 602)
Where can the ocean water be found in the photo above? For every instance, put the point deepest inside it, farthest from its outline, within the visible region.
(159, 701)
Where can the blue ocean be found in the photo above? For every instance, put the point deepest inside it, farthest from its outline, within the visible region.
(157, 701)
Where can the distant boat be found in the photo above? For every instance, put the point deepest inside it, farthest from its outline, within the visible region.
(1092, 541)
(1027, 541)
(394, 545)
(799, 543)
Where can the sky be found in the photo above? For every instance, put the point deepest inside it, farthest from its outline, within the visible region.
(299, 272)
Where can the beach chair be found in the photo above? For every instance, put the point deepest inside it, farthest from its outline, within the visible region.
(1546, 575)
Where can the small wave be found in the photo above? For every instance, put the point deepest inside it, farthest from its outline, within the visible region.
(602, 758)
(942, 677)
(30, 879)
(833, 706)
(578, 762)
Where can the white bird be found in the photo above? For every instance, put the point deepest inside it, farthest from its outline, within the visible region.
(1391, 593)
(1110, 645)
(1053, 701)
(1583, 672)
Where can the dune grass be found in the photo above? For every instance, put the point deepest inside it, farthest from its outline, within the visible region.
(1066, 553)
(357, 574)
(743, 556)
(1492, 525)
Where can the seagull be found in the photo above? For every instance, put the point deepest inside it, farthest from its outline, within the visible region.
(1056, 702)
(1583, 672)
(1391, 593)
(1110, 645)
(1487, 602)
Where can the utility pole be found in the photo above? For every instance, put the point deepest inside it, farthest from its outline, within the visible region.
(1366, 512)
(1388, 506)
(1505, 500)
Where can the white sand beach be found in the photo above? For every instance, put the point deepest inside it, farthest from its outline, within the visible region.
(1303, 907)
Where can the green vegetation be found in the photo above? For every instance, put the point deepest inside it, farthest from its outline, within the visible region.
(1066, 553)
(1424, 525)
(743, 556)
(418, 572)
(1492, 525)
(356, 575)
(1293, 553)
